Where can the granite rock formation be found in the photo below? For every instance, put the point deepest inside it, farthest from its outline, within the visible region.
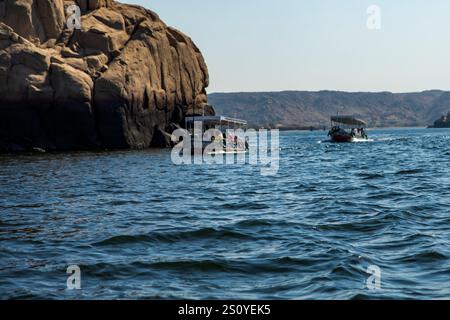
(443, 122)
(119, 81)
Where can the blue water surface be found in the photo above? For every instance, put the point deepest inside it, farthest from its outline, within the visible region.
(140, 227)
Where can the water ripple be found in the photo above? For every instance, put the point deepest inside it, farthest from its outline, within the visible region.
(140, 227)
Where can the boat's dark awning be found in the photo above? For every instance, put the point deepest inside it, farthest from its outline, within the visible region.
(349, 120)
(216, 120)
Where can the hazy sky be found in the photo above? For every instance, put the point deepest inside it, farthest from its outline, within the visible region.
(268, 45)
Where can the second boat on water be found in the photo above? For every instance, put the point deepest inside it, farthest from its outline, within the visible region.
(347, 129)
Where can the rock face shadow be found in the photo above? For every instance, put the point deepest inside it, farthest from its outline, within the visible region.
(124, 80)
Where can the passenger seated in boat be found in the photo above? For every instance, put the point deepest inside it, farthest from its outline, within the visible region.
(333, 131)
(224, 140)
(363, 133)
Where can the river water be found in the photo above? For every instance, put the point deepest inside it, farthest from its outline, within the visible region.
(140, 227)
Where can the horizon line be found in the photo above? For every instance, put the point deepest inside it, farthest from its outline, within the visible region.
(328, 90)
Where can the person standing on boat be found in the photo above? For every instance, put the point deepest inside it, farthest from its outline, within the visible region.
(224, 140)
(363, 134)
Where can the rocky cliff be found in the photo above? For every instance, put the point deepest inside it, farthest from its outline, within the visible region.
(120, 81)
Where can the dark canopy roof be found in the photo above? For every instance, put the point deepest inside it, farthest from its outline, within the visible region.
(349, 120)
(216, 120)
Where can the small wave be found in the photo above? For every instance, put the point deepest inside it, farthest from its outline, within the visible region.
(20, 231)
(8, 224)
(125, 240)
(305, 188)
(409, 172)
(171, 237)
(205, 265)
(363, 226)
(291, 148)
(343, 271)
(297, 262)
(231, 266)
(26, 206)
(383, 195)
(123, 202)
(269, 266)
(254, 223)
(424, 257)
(371, 176)
(245, 206)
(26, 296)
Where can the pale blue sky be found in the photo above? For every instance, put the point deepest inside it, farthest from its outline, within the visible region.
(268, 45)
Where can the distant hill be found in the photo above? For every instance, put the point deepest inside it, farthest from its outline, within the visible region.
(302, 109)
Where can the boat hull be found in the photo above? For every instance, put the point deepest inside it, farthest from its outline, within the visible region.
(200, 147)
(339, 138)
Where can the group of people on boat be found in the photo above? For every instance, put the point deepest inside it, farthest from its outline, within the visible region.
(233, 142)
(339, 134)
(336, 130)
(356, 132)
(359, 132)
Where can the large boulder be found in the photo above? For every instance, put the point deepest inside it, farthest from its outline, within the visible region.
(121, 81)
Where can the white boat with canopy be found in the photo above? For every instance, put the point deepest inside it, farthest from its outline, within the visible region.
(218, 130)
(347, 129)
